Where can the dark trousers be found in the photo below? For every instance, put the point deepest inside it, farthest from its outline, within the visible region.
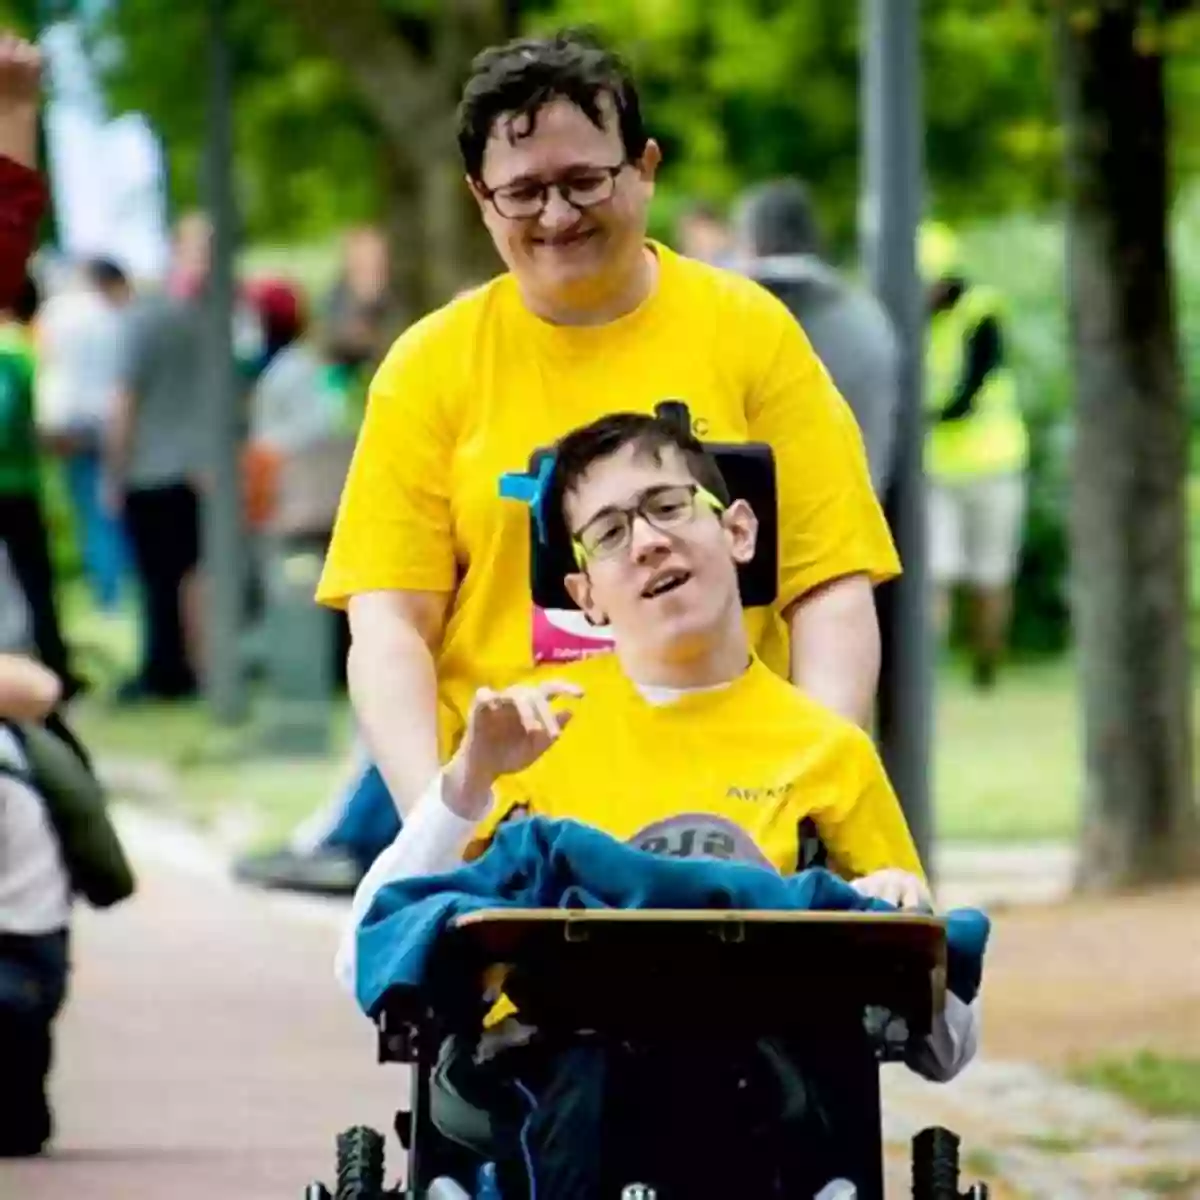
(163, 525)
(23, 531)
(33, 984)
(694, 1119)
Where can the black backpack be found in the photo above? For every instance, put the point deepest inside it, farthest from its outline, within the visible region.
(60, 771)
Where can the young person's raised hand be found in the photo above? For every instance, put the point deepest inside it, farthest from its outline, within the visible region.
(507, 731)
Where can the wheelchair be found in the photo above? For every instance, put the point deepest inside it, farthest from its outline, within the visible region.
(635, 975)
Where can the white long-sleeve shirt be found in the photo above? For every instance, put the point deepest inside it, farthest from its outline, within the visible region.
(35, 889)
(433, 840)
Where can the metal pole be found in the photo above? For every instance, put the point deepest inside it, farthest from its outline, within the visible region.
(223, 542)
(892, 144)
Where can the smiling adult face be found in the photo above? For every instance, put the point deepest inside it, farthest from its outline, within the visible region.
(558, 160)
(565, 207)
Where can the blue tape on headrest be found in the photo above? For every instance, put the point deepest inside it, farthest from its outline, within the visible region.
(532, 490)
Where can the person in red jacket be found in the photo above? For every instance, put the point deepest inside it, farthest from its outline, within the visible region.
(22, 191)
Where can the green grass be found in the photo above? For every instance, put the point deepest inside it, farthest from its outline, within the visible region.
(218, 771)
(981, 1165)
(1057, 1143)
(1165, 1087)
(1006, 763)
(1176, 1183)
(314, 265)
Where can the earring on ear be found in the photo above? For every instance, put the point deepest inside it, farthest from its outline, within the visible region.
(593, 622)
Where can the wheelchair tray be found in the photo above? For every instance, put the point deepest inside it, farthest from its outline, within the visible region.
(756, 972)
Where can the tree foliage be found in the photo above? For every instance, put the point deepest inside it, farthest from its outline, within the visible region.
(306, 146)
(735, 93)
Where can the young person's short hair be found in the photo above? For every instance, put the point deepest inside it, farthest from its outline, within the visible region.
(521, 77)
(576, 453)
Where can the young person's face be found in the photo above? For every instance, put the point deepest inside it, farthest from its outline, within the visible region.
(562, 250)
(659, 556)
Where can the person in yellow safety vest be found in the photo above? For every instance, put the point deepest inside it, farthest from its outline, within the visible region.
(976, 450)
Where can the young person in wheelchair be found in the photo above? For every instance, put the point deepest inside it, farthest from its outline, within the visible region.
(680, 742)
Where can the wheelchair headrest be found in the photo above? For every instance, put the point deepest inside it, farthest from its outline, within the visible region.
(749, 472)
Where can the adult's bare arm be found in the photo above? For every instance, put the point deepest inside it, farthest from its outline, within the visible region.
(393, 684)
(28, 690)
(835, 646)
(20, 93)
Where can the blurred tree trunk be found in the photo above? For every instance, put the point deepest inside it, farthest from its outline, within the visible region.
(1129, 515)
(408, 72)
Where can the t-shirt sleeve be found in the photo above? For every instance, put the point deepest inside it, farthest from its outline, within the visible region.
(393, 529)
(864, 828)
(24, 200)
(830, 521)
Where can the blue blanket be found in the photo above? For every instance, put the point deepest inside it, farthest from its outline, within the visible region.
(539, 863)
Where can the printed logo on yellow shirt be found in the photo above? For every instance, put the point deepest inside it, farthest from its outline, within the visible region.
(759, 794)
(700, 835)
(563, 635)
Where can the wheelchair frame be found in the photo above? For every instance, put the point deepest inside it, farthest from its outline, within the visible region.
(893, 961)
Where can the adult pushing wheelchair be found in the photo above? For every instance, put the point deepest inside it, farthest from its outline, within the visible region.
(716, 985)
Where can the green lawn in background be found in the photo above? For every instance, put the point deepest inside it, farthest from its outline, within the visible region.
(1163, 1087)
(222, 774)
(1006, 762)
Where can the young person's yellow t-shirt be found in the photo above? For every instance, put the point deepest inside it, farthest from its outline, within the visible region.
(728, 773)
(474, 389)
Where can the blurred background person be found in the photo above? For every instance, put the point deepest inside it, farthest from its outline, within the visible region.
(154, 463)
(977, 451)
(704, 234)
(277, 307)
(79, 339)
(35, 912)
(357, 313)
(305, 410)
(779, 243)
(191, 255)
(23, 198)
(22, 523)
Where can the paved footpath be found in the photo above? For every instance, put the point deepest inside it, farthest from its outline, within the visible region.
(206, 1050)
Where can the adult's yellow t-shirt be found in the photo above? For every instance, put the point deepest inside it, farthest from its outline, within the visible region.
(728, 773)
(474, 389)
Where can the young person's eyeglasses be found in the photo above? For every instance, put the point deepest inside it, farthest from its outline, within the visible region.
(665, 507)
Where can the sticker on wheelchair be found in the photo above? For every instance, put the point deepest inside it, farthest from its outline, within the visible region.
(564, 635)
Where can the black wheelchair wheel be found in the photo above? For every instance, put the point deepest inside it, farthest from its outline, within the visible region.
(935, 1165)
(360, 1164)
